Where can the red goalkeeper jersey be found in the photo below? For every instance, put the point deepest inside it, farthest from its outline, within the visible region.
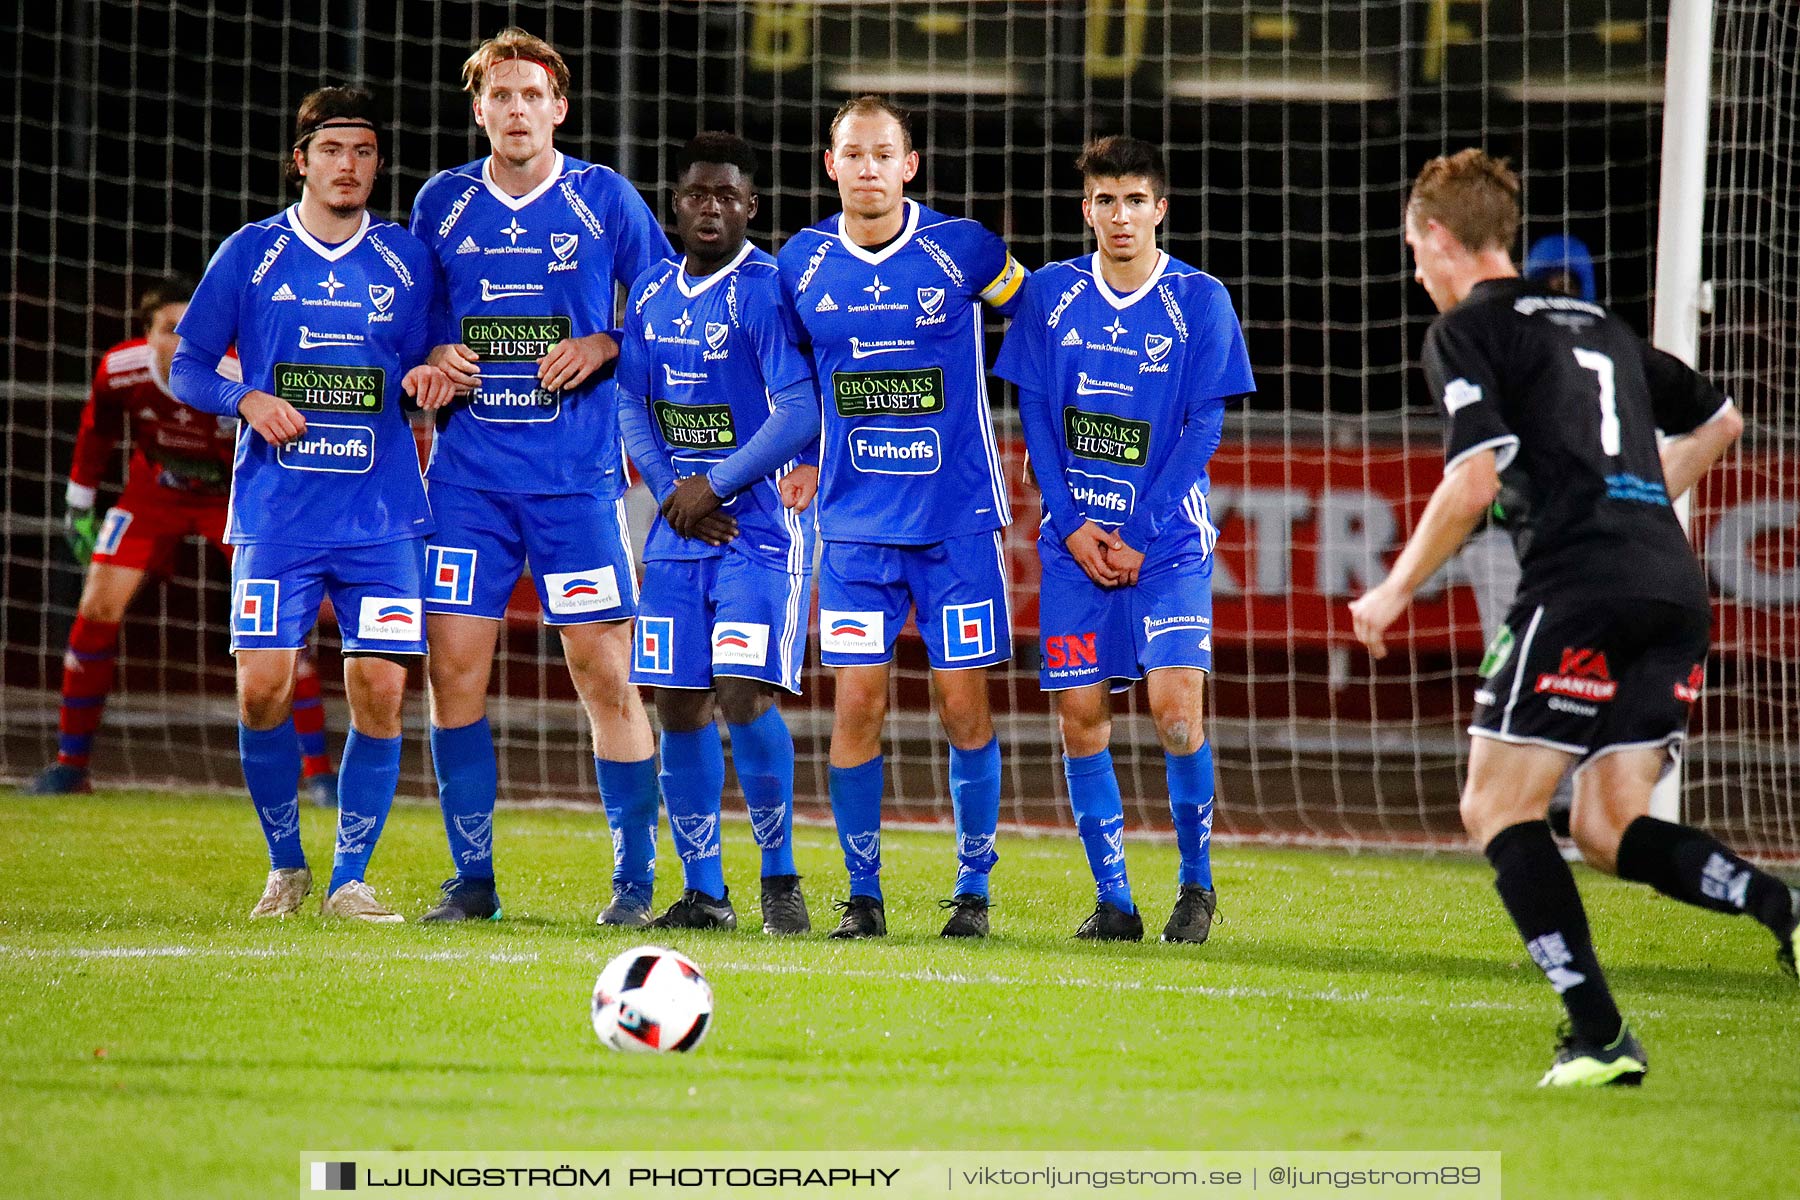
(178, 447)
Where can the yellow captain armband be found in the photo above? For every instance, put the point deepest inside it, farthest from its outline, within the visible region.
(1006, 285)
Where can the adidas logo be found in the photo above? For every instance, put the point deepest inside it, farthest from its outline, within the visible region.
(825, 304)
(284, 292)
(468, 247)
(1072, 338)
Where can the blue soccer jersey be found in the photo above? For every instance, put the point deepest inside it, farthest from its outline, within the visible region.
(908, 453)
(705, 362)
(522, 273)
(1123, 401)
(332, 330)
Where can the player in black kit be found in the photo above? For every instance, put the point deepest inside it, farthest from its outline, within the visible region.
(1553, 407)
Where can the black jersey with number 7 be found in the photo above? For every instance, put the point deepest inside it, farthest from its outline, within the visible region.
(1569, 398)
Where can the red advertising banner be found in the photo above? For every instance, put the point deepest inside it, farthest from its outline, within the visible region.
(1305, 528)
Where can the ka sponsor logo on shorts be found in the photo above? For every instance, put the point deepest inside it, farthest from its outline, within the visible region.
(582, 591)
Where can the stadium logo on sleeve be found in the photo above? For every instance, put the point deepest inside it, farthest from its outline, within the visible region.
(968, 631)
(655, 652)
(255, 604)
(573, 592)
(449, 575)
(268, 260)
(740, 643)
(391, 619)
(843, 632)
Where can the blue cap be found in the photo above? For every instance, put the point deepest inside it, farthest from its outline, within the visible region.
(1559, 253)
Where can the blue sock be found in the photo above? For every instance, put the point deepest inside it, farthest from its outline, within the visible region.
(367, 776)
(628, 792)
(468, 779)
(1191, 804)
(856, 806)
(975, 799)
(693, 778)
(763, 753)
(1100, 820)
(271, 760)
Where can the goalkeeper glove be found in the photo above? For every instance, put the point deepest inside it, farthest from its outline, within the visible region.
(81, 528)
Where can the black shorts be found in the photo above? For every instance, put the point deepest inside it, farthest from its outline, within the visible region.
(1588, 675)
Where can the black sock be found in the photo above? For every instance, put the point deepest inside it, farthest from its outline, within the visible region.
(1539, 894)
(1686, 864)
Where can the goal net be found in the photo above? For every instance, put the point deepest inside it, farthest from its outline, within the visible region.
(144, 133)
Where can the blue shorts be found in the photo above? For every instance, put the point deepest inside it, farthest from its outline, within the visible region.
(579, 547)
(1089, 634)
(956, 588)
(276, 589)
(728, 615)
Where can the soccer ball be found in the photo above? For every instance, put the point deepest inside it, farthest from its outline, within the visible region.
(652, 1000)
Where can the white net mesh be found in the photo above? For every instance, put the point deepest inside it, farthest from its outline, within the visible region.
(142, 134)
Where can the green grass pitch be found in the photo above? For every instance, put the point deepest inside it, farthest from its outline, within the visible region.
(154, 1042)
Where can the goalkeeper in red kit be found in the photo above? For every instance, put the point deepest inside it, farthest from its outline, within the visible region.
(178, 485)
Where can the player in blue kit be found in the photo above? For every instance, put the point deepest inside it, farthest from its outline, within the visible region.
(721, 414)
(1125, 360)
(331, 312)
(911, 494)
(532, 246)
